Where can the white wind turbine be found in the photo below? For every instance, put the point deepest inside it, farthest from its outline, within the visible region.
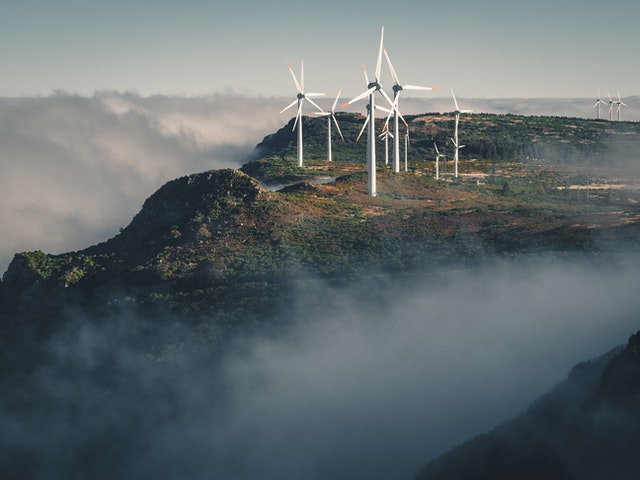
(599, 102)
(406, 149)
(386, 134)
(397, 88)
(331, 115)
(300, 98)
(372, 88)
(610, 107)
(438, 156)
(620, 104)
(454, 140)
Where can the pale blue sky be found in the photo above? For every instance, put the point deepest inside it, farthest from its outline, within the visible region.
(494, 48)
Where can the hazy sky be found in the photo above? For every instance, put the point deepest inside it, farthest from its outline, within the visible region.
(491, 48)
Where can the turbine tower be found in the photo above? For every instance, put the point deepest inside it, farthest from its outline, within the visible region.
(372, 88)
(331, 115)
(620, 104)
(300, 98)
(438, 155)
(397, 88)
(454, 140)
(599, 102)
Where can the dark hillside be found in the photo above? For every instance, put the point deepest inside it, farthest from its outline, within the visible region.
(586, 428)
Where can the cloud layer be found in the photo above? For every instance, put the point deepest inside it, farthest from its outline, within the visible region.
(76, 169)
(369, 381)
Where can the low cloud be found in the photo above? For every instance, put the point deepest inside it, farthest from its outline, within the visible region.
(76, 169)
(368, 381)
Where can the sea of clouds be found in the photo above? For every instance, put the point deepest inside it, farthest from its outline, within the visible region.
(354, 389)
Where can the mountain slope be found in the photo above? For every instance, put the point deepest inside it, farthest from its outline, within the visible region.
(586, 428)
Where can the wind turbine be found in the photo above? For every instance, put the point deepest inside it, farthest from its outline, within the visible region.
(455, 141)
(300, 98)
(331, 115)
(610, 107)
(620, 104)
(599, 102)
(406, 149)
(372, 88)
(397, 88)
(386, 134)
(438, 155)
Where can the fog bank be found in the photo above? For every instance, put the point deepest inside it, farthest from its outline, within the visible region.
(354, 388)
(74, 169)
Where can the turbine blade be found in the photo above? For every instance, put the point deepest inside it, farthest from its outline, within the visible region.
(391, 69)
(289, 106)
(454, 100)
(366, 77)
(314, 104)
(335, 102)
(387, 98)
(363, 127)
(436, 147)
(364, 94)
(298, 116)
(379, 61)
(402, 118)
(386, 123)
(315, 95)
(335, 121)
(301, 76)
(295, 80)
(416, 87)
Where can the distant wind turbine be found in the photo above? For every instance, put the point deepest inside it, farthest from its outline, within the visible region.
(300, 98)
(610, 107)
(438, 156)
(331, 115)
(406, 149)
(397, 88)
(386, 134)
(599, 102)
(372, 88)
(454, 140)
(620, 104)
